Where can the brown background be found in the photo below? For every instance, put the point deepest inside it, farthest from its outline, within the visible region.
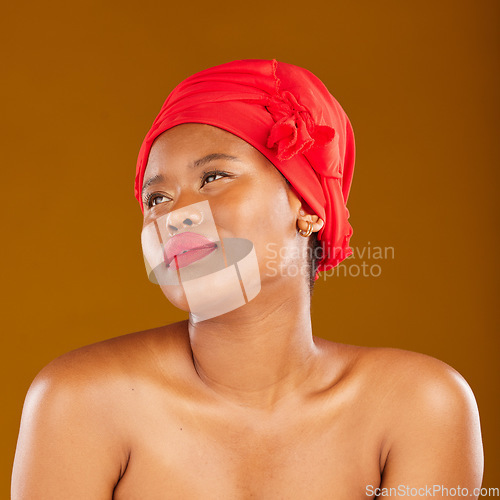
(82, 83)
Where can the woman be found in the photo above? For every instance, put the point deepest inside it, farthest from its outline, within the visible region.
(243, 176)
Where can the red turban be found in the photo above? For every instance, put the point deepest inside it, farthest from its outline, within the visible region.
(287, 114)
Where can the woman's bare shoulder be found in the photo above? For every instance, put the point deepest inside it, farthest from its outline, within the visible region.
(393, 363)
(405, 369)
(399, 375)
(84, 400)
(134, 355)
(417, 402)
(413, 387)
(430, 417)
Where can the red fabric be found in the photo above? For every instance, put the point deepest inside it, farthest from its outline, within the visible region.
(286, 113)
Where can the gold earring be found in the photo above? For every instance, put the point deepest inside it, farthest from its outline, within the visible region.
(309, 230)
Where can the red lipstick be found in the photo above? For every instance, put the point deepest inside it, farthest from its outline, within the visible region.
(185, 248)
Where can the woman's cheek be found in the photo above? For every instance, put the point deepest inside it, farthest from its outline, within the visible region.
(235, 217)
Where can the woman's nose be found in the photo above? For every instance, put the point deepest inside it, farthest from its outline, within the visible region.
(184, 218)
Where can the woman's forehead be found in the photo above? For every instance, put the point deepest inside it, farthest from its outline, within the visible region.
(191, 135)
(192, 142)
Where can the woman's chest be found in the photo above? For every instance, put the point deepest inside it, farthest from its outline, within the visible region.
(313, 454)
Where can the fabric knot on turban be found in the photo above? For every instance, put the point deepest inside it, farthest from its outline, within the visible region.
(289, 116)
(294, 130)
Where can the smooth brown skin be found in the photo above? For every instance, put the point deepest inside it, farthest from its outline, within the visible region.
(248, 404)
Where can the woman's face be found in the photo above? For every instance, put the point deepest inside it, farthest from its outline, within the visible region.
(247, 196)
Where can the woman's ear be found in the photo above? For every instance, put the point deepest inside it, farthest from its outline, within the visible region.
(305, 218)
(304, 212)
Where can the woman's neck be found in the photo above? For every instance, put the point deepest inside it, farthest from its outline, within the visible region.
(260, 352)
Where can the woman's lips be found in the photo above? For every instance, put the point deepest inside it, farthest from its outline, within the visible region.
(185, 248)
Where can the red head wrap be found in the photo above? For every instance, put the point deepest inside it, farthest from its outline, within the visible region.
(287, 114)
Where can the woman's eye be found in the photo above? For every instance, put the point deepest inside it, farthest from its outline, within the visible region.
(211, 176)
(153, 200)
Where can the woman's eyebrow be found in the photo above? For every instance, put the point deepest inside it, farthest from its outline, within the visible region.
(198, 163)
(212, 157)
(152, 180)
